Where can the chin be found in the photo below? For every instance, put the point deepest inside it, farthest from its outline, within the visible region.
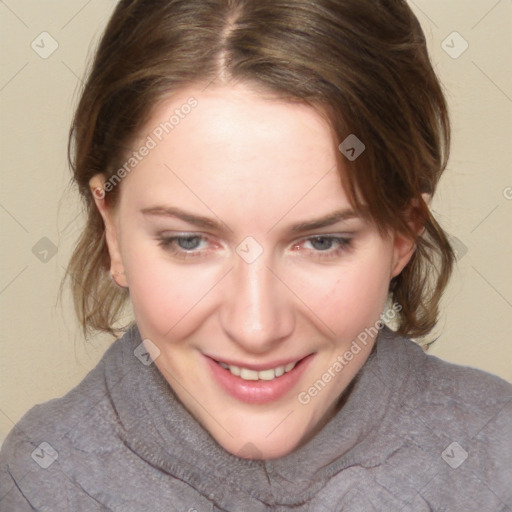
(259, 449)
(264, 441)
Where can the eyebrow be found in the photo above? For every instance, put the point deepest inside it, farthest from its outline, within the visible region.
(325, 221)
(190, 218)
(209, 223)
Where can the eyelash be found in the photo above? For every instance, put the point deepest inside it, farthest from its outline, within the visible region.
(344, 244)
(169, 244)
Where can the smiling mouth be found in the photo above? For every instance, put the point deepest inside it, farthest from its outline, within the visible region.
(248, 374)
(258, 383)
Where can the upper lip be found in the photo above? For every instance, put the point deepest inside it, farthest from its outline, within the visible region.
(258, 367)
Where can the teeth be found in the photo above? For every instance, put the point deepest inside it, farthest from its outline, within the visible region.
(235, 370)
(247, 374)
(267, 374)
(289, 367)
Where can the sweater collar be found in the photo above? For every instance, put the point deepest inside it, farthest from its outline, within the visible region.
(157, 427)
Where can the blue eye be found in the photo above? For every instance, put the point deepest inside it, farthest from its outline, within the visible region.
(183, 246)
(188, 243)
(326, 242)
(322, 243)
(328, 245)
(189, 246)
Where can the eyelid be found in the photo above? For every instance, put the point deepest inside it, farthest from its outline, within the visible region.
(329, 236)
(345, 235)
(204, 236)
(167, 243)
(169, 237)
(343, 244)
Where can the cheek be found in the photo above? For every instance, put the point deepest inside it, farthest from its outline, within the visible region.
(349, 297)
(164, 294)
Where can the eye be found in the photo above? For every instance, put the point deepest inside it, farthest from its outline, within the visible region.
(322, 243)
(184, 246)
(325, 246)
(188, 243)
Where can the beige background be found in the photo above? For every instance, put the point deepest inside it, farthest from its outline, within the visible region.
(42, 351)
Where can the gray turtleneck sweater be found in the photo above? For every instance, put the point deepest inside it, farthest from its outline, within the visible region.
(415, 434)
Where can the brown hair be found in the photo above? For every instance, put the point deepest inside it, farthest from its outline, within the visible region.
(362, 63)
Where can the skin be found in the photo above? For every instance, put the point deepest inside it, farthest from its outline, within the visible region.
(258, 165)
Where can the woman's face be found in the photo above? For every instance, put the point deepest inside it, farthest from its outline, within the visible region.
(243, 260)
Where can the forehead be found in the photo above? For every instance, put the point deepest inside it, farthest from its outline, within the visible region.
(235, 119)
(234, 144)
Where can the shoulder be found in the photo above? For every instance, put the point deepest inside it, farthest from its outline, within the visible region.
(462, 398)
(437, 381)
(454, 421)
(32, 455)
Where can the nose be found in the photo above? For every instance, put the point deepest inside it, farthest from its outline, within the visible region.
(257, 310)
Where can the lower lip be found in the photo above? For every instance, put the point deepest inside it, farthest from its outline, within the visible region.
(258, 391)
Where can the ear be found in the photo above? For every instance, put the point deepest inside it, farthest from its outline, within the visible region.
(96, 184)
(404, 246)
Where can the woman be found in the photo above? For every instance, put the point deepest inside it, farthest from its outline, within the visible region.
(257, 176)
